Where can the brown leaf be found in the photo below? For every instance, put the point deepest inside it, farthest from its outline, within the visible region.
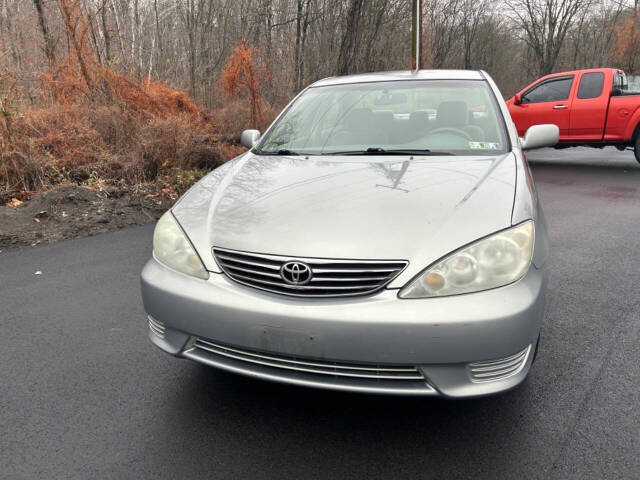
(14, 202)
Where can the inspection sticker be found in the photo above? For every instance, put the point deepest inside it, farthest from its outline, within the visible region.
(484, 146)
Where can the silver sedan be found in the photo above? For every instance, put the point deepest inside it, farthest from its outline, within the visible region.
(384, 235)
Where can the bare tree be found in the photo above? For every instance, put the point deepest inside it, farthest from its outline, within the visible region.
(106, 32)
(443, 31)
(303, 21)
(186, 43)
(350, 37)
(471, 12)
(49, 47)
(544, 26)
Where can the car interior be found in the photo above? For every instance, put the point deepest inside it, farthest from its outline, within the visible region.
(368, 126)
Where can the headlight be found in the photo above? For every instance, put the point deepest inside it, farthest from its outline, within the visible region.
(172, 247)
(492, 262)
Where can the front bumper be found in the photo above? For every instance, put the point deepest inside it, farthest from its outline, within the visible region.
(440, 337)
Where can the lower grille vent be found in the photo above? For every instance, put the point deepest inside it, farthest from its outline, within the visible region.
(156, 327)
(307, 366)
(491, 370)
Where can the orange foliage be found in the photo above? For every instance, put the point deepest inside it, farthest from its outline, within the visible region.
(82, 78)
(625, 51)
(66, 86)
(246, 70)
(77, 143)
(97, 123)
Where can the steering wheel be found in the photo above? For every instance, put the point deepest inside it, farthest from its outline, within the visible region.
(454, 131)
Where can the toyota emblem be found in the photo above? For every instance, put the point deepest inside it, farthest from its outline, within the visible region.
(296, 273)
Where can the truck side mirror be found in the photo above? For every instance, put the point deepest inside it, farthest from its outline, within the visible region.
(539, 136)
(517, 99)
(249, 138)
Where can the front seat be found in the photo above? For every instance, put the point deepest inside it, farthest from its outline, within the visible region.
(359, 124)
(455, 114)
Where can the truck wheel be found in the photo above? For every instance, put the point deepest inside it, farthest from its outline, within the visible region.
(636, 148)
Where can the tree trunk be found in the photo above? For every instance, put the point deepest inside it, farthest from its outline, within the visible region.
(137, 47)
(296, 60)
(105, 33)
(70, 24)
(158, 37)
(49, 48)
(350, 38)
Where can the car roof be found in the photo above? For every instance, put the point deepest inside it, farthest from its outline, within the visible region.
(402, 75)
(584, 70)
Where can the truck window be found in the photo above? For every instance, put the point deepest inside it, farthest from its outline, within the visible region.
(591, 85)
(553, 90)
(620, 85)
(620, 81)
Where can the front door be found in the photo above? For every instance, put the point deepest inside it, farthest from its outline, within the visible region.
(546, 102)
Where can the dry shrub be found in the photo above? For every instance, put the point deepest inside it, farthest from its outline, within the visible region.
(96, 124)
(78, 143)
(244, 72)
(81, 78)
(65, 133)
(67, 86)
(235, 116)
(21, 172)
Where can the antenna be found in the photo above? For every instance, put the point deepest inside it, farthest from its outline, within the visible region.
(416, 35)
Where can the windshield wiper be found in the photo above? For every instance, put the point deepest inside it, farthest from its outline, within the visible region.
(286, 151)
(283, 151)
(382, 151)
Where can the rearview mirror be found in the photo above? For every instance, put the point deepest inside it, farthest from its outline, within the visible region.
(517, 99)
(540, 136)
(249, 138)
(390, 99)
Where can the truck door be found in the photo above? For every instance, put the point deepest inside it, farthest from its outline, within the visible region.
(589, 108)
(545, 102)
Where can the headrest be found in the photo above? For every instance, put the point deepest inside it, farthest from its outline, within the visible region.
(419, 117)
(452, 114)
(359, 119)
(383, 116)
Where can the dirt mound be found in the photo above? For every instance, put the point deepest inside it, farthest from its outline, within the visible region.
(72, 211)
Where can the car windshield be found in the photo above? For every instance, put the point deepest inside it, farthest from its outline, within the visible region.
(430, 117)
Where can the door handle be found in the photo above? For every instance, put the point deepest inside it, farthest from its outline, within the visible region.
(560, 107)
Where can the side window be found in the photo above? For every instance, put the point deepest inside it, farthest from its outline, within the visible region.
(553, 90)
(591, 85)
(620, 82)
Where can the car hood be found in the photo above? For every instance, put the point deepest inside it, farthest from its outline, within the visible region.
(364, 207)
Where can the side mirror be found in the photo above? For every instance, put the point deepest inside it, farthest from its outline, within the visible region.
(540, 136)
(249, 138)
(517, 99)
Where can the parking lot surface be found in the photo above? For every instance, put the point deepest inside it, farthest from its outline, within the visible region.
(84, 394)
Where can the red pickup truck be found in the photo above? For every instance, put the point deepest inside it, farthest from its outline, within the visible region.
(591, 107)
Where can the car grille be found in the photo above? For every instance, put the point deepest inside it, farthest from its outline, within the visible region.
(334, 369)
(499, 369)
(329, 277)
(308, 372)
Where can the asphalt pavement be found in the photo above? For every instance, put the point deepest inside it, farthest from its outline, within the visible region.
(84, 394)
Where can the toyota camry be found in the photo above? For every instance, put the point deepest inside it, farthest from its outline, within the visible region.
(383, 235)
